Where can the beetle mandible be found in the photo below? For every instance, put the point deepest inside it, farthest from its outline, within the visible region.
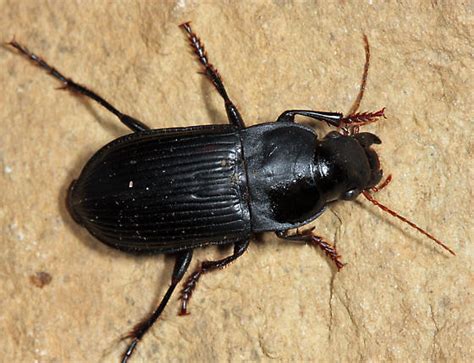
(169, 191)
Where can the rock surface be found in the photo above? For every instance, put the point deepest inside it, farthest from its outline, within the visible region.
(400, 298)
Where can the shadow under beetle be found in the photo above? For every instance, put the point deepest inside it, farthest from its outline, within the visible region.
(173, 190)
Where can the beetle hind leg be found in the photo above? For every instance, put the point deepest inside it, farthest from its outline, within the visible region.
(212, 74)
(70, 85)
(181, 265)
(208, 266)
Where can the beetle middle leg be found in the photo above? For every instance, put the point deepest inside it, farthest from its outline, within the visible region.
(310, 238)
(208, 266)
(181, 265)
(132, 123)
(212, 74)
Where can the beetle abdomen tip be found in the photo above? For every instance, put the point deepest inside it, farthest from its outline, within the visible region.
(70, 206)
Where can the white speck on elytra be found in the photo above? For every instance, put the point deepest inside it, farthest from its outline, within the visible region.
(130, 184)
(8, 169)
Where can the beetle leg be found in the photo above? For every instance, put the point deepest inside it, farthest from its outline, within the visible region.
(331, 118)
(212, 74)
(181, 265)
(208, 266)
(362, 119)
(314, 240)
(69, 84)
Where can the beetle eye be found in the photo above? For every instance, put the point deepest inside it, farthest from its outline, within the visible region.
(351, 194)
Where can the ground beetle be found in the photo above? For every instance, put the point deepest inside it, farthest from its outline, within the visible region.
(173, 190)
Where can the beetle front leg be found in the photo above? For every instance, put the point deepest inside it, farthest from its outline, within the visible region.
(208, 266)
(212, 74)
(332, 118)
(132, 123)
(183, 260)
(314, 240)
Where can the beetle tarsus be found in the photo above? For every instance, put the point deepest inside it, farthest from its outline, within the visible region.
(329, 250)
(208, 266)
(67, 83)
(362, 119)
(213, 75)
(188, 289)
(310, 238)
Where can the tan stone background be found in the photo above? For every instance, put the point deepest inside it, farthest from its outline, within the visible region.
(400, 297)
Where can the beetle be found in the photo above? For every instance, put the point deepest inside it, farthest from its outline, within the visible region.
(170, 191)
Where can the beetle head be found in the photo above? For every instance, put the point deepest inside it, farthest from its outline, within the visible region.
(346, 165)
(351, 164)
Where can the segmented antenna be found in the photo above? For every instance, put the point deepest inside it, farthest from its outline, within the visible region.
(403, 219)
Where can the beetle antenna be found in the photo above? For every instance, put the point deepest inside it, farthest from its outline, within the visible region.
(354, 118)
(356, 104)
(403, 219)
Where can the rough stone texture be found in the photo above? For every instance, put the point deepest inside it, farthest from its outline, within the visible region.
(400, 297)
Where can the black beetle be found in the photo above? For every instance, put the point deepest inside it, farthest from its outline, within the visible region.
(173, 190)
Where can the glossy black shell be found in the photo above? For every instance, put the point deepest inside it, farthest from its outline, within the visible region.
(166, 190)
